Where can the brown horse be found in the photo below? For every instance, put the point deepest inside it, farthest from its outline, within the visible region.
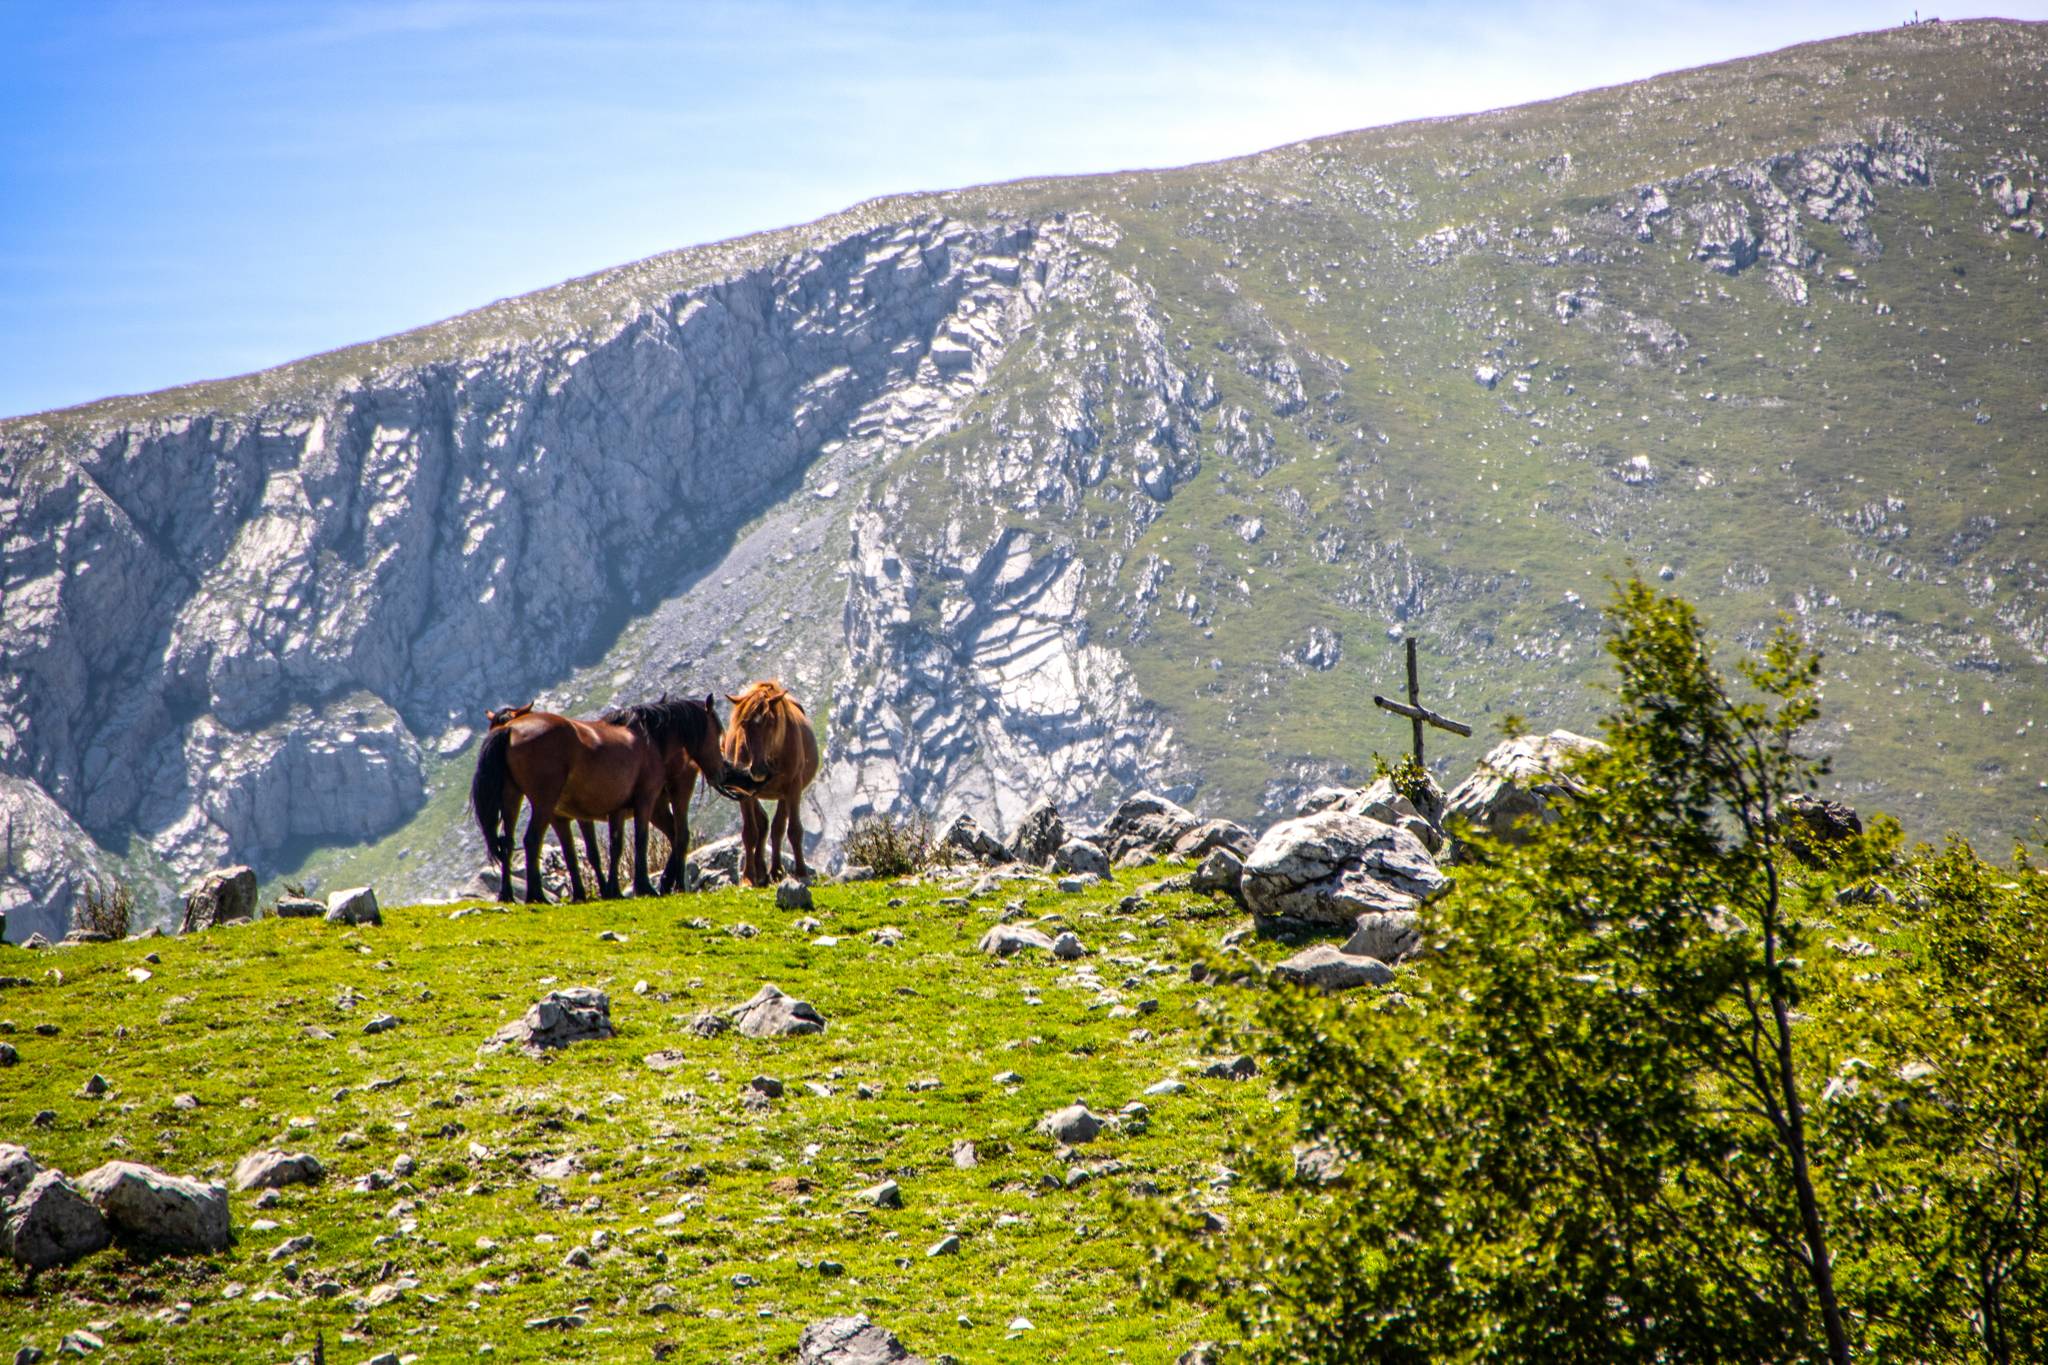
(607, 873)
(771, 753)
(582, 770)
(699, 753)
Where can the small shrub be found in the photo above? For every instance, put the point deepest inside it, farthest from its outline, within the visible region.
(890, 848)
(1408, 777)
(105, 910)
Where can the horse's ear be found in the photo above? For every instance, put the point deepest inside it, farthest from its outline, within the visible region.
(711, 703)
(731, 698)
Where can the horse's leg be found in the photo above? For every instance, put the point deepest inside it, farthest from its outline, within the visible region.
(537, 833)
(678, 834)
(755, 821)
(780, 823)
(796, 835)
(617, 831)
(570, 856)
(643, 816)
(589, 831)
(507, 828)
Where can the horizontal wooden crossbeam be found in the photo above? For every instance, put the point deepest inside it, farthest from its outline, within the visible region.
(1422, 713)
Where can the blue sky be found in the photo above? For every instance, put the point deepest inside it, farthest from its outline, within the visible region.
(191, 189)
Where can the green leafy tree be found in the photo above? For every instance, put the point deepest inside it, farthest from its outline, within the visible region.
(1583, 1129)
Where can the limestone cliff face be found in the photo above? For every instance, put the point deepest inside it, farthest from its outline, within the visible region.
(1065, 487)
(228, 630)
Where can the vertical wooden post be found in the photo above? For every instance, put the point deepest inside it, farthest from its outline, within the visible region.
(1415, 699)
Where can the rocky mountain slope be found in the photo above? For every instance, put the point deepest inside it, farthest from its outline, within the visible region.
(1064, 487)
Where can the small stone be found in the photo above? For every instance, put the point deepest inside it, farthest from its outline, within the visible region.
(1072, 1125)
(8, 1055)
(887, 1195)
(269, 1170)
(1067, 947)
(1008, 1078)
(186, 1102)
(1004, 940)
(357, 905)
(611, 936)
(773, 1014)
(295, 1246)
(95, 1087)
(831, 1270)
(1235, 1069)
(383, 1023)
(577, 1259)
(766, 1085)
(792, 895)
(1167, 1087)
(949, 1245)
(964, 1157)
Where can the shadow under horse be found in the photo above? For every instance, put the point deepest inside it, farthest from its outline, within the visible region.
(771, 753)
(587, 770)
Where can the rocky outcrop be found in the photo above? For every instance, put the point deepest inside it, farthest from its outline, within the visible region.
(282, 589)
(222, 897)
(573, 1015)
(159, 1212)
(773, 1014)
(1518, 781)
(1329, 868)
(852, 1341)
(50, 1223)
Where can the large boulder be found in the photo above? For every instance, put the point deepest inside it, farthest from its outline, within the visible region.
(1811, 826)
(714, 864)
(1081, 857)
(851, 1341)
(1005, 939)
(1221, 871)
(49, 1223)
(148, 1208)
(1331, 867)
(1039, 834)
(17, 1168)
(1389, 935)
(1517, 784)
(1146, 823)
(357, 905)
(1072, 1125)
(273, 1170)
(965, 838)
(1197, 843)
(225, 896)
(1380, 801)
(773, 1014)
(558, 1019)
(1332, 969)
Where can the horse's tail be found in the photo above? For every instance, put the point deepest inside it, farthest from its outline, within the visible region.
(487, 790)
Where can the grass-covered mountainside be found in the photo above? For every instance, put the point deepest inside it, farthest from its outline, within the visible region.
(708, 1225)
(1068, 486)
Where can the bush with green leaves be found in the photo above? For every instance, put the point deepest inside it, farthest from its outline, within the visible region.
(1660, 1093)
(891, 848)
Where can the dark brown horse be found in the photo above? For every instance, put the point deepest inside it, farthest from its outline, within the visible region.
(607, 871)
(583, 770)
(771, 753)
(699, 753)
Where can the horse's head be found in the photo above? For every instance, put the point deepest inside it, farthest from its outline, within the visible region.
(707, 748)
(751, 740)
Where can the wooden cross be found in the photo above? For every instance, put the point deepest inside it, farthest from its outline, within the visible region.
(1416, 711)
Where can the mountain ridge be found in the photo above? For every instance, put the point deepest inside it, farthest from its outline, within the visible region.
(1164, 461)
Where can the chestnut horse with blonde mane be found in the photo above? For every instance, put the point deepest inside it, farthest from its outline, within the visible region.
(771, 753)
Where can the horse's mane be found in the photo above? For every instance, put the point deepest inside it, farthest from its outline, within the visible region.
(682, 719)
(760, 697)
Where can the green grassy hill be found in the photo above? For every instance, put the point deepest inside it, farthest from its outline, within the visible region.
(675, 1188)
